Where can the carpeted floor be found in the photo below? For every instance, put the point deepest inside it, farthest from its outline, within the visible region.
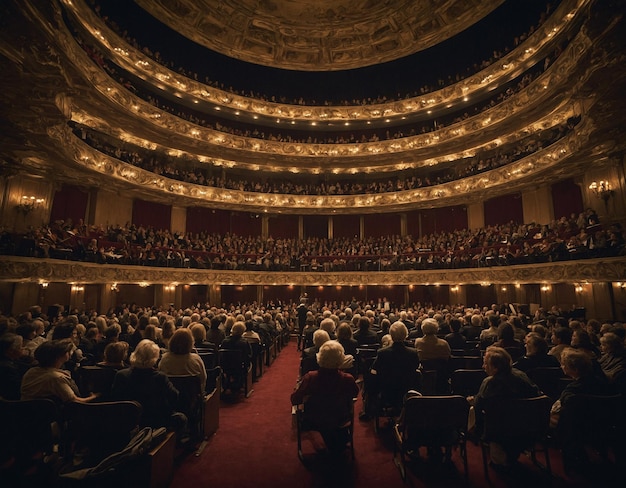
(256, 446)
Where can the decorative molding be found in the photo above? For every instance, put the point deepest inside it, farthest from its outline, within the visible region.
(33, 270)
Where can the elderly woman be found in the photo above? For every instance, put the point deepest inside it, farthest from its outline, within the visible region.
(613, 358)
(536, 354)
(180, 360)
(328, 395)
(48, 380)
(236, 341)
(430, 346)
(151, 388)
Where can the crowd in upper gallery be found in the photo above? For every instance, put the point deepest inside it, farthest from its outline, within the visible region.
(442, 82)
(266, 133)
(189, 171)
(498, 245)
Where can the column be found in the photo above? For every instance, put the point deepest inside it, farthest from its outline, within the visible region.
(537, 205)
(476, 216)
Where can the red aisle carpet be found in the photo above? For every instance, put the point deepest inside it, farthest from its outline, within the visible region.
(256, 446)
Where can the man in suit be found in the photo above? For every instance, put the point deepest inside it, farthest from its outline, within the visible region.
(394, 372)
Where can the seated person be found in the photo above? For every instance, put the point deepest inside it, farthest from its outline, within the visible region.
(12, 365)
(48, 380)
(613, 360)
(455, 339)
(180, 358)
(577, 365)
(151, 388)
(429, 346)
(115, 355)
(365, 335)
(328, 396)
(502, 382)
(536, 354)
(344, 336)
(393, 373)
(235, 341)
(561, 339)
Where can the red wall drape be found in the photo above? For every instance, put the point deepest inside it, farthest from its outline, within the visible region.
(152, 214)
(346, 226)
(69, 202)
(567, 198)
(200, 219)
(435, 220)
(245, 224)
(506, 208)
(315, 226)
(283, 226)
(377, 225)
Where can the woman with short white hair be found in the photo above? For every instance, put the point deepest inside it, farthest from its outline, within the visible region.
(328, 396)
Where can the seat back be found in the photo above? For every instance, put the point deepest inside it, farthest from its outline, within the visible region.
(531, 419)
(442, 374)
(308, 364)
(433, 420)
(548, 380)
(100, 429)
(365, 357)
(594, 420)
(466, 382)
(95, 379)
(190, 400)
(231, 361)
(209, 358)
(27, 428)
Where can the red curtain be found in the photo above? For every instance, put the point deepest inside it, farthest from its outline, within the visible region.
(346, 226)
(435, 220)
(506, 208)
(378, 225)
(315, 226)
(567, 198)
(152, 214)
(69, 202)
(283, 226)
(245, 224)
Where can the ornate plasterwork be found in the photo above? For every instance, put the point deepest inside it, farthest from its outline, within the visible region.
(533, 49)
(18, 269)
(546, 91)
(318, 35)
(505, 179)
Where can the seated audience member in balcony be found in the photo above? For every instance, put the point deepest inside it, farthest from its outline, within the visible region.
(536, 354)
(455, 339)
(48, 380)
(143, 383)
(561, 339)
(430, 346)
(235, 341)
(502, 381)
(365, 335)
(328, 394)
(180, 358)
(12, 365)
(115, 356)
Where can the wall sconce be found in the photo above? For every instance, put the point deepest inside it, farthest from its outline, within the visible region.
(44, 284)
(114, 287)
(28, 203)
(621, 285)
(503, 288)
(545, 288)
(579, 288)
(143, 284)
(602, 189)
(77, 288)
(454, 288)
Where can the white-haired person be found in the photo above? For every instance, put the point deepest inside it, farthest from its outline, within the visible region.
(328, 395)
(143, 383)
(430, 346)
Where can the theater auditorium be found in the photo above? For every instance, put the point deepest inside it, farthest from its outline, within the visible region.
(257, 168)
